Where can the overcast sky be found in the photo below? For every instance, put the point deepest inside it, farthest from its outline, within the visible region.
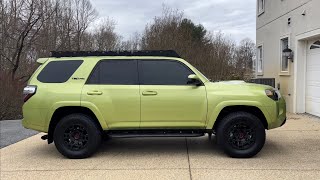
(235, 18)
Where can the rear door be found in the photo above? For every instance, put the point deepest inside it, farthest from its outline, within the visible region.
(167, 100)
(113, 88)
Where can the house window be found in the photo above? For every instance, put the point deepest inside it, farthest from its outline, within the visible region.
(260, 60)
(261, 4)
(315, 45)
(284, 60)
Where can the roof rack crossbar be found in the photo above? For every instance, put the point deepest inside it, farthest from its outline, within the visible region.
(164, 53)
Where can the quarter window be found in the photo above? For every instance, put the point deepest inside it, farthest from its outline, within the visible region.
(58, 71)
(115, 72)
(163, 72)
(284, 59)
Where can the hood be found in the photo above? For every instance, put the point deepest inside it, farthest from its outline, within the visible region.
(238, 85)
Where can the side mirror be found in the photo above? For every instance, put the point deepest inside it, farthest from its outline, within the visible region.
(194, 79)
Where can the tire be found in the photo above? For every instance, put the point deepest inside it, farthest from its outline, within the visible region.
(77, 136)
(241, 135)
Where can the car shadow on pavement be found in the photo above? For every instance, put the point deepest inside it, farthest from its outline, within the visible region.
(156, 145)
(148, 147)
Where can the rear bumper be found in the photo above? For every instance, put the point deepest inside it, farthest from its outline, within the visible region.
(32, 119)
(28, 125)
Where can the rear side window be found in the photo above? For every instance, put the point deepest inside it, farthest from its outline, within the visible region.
(115, 72)
(163, 72)
(58, 71)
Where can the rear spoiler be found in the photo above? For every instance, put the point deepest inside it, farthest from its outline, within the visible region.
(42, 60)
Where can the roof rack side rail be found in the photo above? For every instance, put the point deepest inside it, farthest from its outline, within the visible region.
(164, 53)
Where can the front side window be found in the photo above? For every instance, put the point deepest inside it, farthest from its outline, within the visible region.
(115, 72)
(284, 59)
(58, 71)
(163, 72)
(260, 60)
(261, 4)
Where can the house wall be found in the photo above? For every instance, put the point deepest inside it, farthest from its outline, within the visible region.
(272, 26)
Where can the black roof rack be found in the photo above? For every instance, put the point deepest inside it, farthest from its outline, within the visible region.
(164, 53)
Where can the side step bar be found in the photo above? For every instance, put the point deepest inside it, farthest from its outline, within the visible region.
(156, 133)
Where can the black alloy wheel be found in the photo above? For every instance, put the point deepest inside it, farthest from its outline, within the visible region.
(77, 136)
(241, 135)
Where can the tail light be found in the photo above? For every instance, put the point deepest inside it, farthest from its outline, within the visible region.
(28, 92)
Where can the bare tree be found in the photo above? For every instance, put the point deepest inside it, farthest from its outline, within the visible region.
(243, 60)
(84, 15)
(212, 53)
(105, 39)
(25, 20)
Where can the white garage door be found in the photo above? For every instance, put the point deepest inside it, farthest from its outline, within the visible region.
(313, 79)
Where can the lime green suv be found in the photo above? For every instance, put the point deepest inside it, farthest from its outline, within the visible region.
(79, 98)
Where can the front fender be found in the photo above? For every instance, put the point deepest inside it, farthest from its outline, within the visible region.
(215, 111)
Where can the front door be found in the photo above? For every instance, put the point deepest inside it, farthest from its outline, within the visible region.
(167, 100)
(113, 88)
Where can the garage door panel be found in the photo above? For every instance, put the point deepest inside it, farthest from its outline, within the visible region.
(313, 69)
(313, 91)
(313, 80)
(312, 77)
(313, 107)
(313, 83)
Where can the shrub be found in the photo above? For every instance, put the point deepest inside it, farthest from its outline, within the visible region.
(11, 99)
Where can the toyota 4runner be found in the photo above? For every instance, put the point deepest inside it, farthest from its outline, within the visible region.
(78, 98)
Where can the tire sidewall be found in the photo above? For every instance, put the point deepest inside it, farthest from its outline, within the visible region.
(229, 121)
(94, 136)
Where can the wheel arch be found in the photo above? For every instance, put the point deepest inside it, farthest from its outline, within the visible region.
(243, 108)
(66, 110)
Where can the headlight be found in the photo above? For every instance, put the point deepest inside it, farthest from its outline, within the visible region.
(278, 93)
(273, 94)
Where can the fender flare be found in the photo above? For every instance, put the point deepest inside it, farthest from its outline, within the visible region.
(213, 115)
(87, 105)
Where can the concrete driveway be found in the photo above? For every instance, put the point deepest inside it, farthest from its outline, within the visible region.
(290, 152)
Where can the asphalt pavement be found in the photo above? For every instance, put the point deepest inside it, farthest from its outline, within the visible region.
(12, 131)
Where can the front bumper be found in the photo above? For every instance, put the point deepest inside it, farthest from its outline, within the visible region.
(284, 122)
(278, 114)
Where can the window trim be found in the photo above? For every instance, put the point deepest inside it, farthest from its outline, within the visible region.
(284, 73)
(139, 60)
(263, 7)
(262, 60)
(97, 65)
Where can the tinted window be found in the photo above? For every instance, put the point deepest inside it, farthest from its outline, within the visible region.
(164, 72)
(115, 72)
(58, 71)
